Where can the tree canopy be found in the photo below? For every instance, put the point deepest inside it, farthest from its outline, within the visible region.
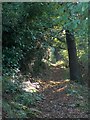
(34, 37)
(26, 27)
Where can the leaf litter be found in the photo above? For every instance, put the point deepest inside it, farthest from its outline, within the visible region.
(62, 98)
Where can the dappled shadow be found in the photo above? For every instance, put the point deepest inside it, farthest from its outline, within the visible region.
(55, 73)
(60, 96)
(57, 101)
(54, 86)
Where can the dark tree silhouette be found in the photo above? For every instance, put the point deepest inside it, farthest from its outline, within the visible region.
(72, 53)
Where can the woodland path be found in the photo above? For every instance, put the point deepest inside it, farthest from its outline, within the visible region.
(62, 98)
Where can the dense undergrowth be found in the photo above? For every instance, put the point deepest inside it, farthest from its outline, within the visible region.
(17, 103)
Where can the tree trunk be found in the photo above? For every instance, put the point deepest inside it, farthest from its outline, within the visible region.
(72, 53)
(57, 55)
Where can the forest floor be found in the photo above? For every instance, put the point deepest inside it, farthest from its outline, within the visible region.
(62, 98)
(55, 96)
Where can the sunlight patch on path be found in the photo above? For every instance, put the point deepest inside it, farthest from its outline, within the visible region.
(60, 89)
(54, 86)
(30, 87)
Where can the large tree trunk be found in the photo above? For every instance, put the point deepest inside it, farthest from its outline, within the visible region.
(73, 61)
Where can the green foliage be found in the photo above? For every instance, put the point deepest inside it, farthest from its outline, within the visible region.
(10, 87)
(22, 36)
(16, 110)
(11, 57)
(28, 30)
(28, 99)
(17, 102)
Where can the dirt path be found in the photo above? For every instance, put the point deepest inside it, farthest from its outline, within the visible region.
(59, 101)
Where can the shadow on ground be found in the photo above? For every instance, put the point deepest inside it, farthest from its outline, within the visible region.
(62, 98)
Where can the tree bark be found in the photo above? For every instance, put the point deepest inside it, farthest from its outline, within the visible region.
(72, 53)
